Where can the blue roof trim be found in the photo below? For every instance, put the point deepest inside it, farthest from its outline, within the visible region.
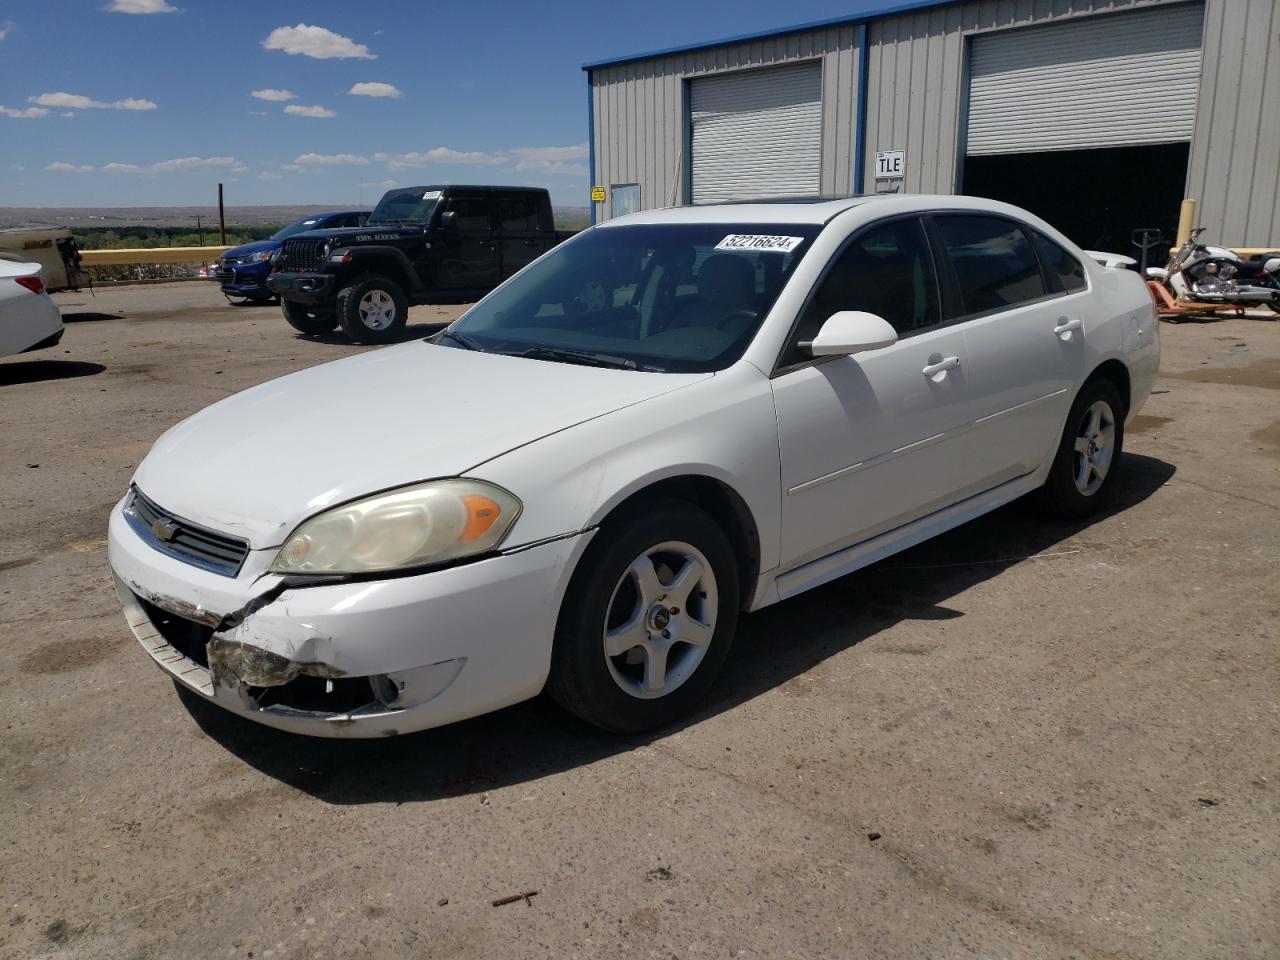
(886, 11)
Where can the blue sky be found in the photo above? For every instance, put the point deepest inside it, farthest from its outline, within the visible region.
(107, 108)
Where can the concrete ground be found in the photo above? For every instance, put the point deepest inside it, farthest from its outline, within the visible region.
(1025, 739)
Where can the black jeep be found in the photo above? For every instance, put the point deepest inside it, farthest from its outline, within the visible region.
(431, 244)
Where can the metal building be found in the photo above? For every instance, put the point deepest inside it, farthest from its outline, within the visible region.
(1100, 115)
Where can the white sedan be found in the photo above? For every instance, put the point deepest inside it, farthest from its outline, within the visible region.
(29, 319)
(676, 417)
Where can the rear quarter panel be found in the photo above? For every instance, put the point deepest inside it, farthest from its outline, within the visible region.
(1122, 326)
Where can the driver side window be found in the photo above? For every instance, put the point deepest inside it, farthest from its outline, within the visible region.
(886, 270)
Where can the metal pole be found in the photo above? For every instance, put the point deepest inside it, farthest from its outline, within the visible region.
(222, 219)
(1186, 220)
(199, 229)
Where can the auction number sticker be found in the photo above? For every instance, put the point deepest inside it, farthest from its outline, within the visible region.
(759, 241)
(431, 195)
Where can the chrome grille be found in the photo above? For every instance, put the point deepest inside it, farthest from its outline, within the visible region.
(182, 539)
(299, 255)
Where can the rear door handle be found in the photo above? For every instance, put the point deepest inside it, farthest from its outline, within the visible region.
(942, 366)
(1065, 327)
(533, 243)
(488, 244)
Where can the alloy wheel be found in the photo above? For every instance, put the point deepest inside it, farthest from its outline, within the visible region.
(1095, 447)
(660, 620)
(377, 309)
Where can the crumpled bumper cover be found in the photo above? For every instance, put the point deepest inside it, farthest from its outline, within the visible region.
(309, 288)
(432, 648)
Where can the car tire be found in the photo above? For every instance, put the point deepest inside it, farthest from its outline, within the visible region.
(632, 583)
(307, 320)
(373, 310)
(1080, 480)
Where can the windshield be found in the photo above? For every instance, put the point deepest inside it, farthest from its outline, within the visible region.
(298, 226)
(671, 297)
(411, 205)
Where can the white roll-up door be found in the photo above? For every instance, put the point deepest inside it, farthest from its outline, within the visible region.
(756, 134)
(1105, 81)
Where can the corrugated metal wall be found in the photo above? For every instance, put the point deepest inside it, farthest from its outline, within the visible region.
(640, 111)
(916, 78)
(916, 81)
(1235, 150)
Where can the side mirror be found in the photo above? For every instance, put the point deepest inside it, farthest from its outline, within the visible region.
(449, 220)
(852, 331)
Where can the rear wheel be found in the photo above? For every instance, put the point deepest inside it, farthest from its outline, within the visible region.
(306, 319)
(1080, 479)
(373, 310)
(648, 619)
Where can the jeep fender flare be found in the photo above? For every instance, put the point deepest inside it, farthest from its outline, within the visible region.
(373, 259)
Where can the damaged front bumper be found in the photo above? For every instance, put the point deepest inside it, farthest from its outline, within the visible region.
(349, 659)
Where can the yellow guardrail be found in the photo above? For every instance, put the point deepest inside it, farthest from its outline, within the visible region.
(112, 258)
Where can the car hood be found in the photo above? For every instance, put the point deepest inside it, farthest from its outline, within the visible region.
(256, 246)
(258, 463)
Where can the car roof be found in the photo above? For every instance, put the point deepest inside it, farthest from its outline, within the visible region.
(471, 187)
(822, 212)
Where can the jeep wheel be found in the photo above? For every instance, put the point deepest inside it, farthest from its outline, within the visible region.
(306, 320)
(373, 310)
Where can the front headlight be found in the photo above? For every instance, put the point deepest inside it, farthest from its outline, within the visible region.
(416, 526)
(262, 256)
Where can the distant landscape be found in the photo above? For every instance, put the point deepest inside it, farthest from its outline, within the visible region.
(170, 222)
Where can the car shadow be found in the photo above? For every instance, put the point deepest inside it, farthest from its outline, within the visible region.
(89, 316)
(411, 331)
(535, 739)
(33, 371)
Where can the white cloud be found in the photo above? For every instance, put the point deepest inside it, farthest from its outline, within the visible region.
(274, 95)
(291, 167)
(63, 167)
(139, 6)
(568, 159)
(317, 112)
(554, 160)
(382, 184)
(328, 159)
(316, 42)
(29, 113)
(415, 158)
(77, 101)
(121, 168)
(193, 163)
(373, 90)
(4, 30)
(268, 175)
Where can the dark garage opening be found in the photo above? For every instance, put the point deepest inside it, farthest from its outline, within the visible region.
(1096, 197)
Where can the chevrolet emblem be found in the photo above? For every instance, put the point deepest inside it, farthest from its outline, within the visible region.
(164, 529)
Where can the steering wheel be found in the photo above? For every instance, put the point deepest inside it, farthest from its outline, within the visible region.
(741, 314)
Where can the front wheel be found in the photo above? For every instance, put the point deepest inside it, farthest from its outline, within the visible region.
(373, 310)
(1080, 478)
(308, 320)
(648, 619)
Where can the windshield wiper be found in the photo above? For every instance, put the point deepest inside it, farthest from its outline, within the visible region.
(465, 342)
(584, 357)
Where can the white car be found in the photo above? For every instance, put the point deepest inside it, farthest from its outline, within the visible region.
(674, 418)
(29, 319)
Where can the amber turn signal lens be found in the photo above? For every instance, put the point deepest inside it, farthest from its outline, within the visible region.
(482, 513)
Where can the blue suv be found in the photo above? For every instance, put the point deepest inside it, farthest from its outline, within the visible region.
(242, 271)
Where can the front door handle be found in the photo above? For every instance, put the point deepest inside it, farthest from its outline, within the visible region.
(1065, 327)
(532, 243)
(487, 244)
(942, 366)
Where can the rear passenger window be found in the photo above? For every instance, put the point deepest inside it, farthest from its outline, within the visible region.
(888, 271)
(1058, 263)
(519, 213)
(993, 261)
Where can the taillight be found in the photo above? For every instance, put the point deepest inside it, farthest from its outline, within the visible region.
(34, 284)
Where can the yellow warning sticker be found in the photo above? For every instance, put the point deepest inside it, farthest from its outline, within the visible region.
(597, 194)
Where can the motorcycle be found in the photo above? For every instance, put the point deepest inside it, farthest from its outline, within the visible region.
(1215, 277)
